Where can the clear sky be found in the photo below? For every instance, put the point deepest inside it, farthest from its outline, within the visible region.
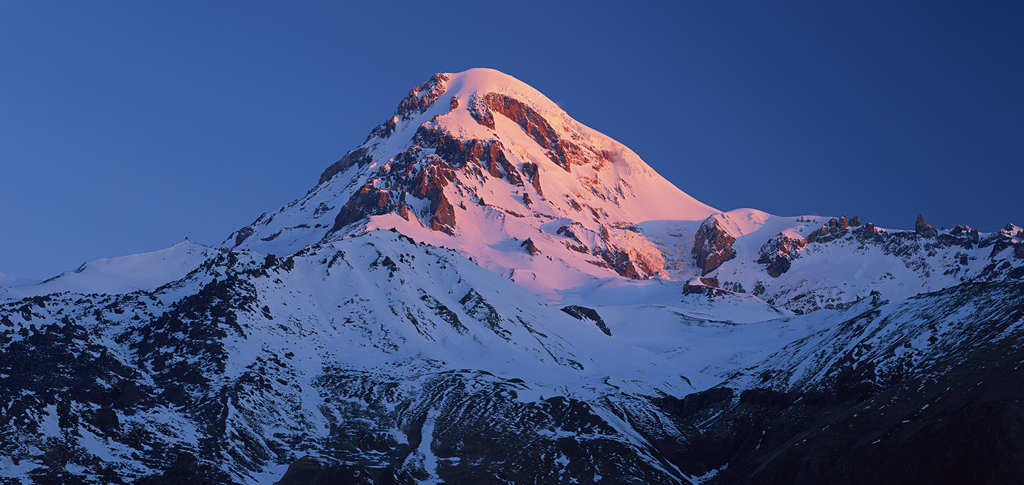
(127, 126)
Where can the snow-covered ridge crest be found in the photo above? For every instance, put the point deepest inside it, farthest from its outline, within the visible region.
(119, 275)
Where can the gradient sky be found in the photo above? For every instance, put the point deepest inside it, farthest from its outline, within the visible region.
(127, 126)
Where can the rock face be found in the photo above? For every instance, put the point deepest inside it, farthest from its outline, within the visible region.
(924, 229)
(712, 245)
(778, 253)
(354, 157)
(562, 152)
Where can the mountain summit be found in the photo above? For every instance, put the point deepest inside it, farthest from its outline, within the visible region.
(481, 162)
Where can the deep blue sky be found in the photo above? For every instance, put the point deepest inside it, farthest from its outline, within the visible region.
(127, 126)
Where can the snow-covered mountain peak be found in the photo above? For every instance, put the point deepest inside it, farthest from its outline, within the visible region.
(482, 162)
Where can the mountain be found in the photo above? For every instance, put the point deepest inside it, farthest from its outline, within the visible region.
(484, 164)
(487, 291)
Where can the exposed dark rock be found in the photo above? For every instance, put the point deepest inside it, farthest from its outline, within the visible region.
(855, 221)
(530, 247)
(585, 314)
(357, 156)
(842, 223)
(712, 282)
(310, 471)
(999, 242)
(488, 154)
(243, 234)
(478, 109)
(712, 245)
(764, 398)
(962, 236)
(1018, 250)
(420, 99)
(820, 235)
(778, 253)
(367, 201)
(923, 228)
(442, 215)
(971, 235)
(532, 173)
(564, 153)
(453, 104)
(629, 263)
(703, 286)
(714, 398)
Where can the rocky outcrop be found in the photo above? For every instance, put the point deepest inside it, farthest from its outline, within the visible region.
(564, 153)
(923, 228)
(631, 263)
(628, 253)
(442, 215)
(703, 286)
(532, 173)
(819, 235)
(530, 247)
(712, 245)
(778, 253)
(842, 223)
(421, 98)
(368, 201)
(587, 314)
(424, 175)
(410, 174)
(835, 228)
(962, 236)
(243, 234)
(357, 156)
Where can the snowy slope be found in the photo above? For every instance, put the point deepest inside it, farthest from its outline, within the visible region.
(122, 274)
(374, 326)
